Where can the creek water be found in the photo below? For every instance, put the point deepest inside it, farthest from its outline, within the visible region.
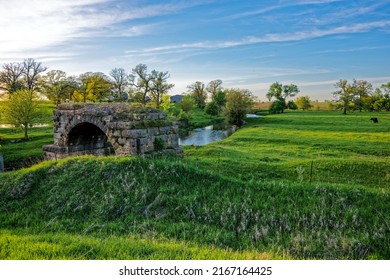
(205, 135)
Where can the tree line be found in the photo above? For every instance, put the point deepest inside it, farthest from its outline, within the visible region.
(24, 81)
(140, 85)
(356, 96)
(361, 96)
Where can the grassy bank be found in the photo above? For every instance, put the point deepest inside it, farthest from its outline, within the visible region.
(18, 152)
(252, 195)
(303, 147)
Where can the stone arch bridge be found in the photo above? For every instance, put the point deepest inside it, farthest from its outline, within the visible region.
(119, 129)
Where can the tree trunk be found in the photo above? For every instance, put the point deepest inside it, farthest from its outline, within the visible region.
(25, 132)
(345, 111)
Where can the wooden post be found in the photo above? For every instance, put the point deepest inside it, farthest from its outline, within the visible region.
(1, 163)
(311, 170)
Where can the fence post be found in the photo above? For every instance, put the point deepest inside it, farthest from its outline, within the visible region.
(1, 163)
(311, 170)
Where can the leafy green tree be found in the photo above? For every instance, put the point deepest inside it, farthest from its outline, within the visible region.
(165, 103)
(281, 93)
(21, 109)
(212, 108)
(93, 87)
(238, 103)
(56, 86)
(345, 95)
(362, 91)
(142, 81)
(198, 92)
(187, 104)
(120, 81)
(291, 105)
(386, 88)
(160, 87)
(220, 100)
(277, 107)
(382, 104)
(303, 103)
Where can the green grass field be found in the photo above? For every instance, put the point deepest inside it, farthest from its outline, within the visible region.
(19, 153)
(253, 195)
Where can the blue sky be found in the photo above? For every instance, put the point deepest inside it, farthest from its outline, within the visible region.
(246, 44)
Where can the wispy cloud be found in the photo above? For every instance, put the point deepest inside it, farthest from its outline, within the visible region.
(352, 50)
(34, 25)
(268, 38)
(282, 5)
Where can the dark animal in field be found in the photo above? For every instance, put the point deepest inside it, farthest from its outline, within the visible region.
(374, 120)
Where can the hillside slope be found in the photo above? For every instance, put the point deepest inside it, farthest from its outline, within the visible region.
(178, 201)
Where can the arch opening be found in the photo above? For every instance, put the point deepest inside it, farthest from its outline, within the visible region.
(89, 139)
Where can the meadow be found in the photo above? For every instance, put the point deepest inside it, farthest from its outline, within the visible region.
(19, 153)
(299, 185)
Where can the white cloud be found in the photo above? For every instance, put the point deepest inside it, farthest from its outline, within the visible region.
(285, 4)
(268, 38)
(30, 26)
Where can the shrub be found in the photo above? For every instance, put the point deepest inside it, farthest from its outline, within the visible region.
(158, 144)
(212, 108)
(277, 107)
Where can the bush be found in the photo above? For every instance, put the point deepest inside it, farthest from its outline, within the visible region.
(277, 107)
(291, 105)
(158, 144)
(212, 108)
(238, 104)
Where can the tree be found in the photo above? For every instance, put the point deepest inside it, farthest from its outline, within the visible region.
(277, 107)
(214, 86)
(345, 95)
(31, 71)
(93, 87)
(275, 90)
(382, 104)
(362, 91)
(160, 86)
(56, 86)
(281, 93)
(212, 108)
(21, 109)
(386, 88)
(141, 80)
(303, 103)
(198, 92)
(23, 75)
(217, 103)
(238, 104)
(11, 76)
(187, 104)
(120, 81)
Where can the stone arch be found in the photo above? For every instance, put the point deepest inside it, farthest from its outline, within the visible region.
(88, 137)
(101, 129)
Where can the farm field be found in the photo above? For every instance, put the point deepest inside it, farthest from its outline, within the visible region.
(299, 185)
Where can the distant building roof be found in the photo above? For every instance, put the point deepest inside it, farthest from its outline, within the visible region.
(176, 98)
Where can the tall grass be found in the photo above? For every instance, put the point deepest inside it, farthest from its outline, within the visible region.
(296, 185)
(166, 198)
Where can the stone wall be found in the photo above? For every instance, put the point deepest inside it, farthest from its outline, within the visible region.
(111, 128)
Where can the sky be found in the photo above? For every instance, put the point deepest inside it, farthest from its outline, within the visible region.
(246, 44)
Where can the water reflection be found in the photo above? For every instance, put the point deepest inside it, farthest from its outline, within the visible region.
(205, 135)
